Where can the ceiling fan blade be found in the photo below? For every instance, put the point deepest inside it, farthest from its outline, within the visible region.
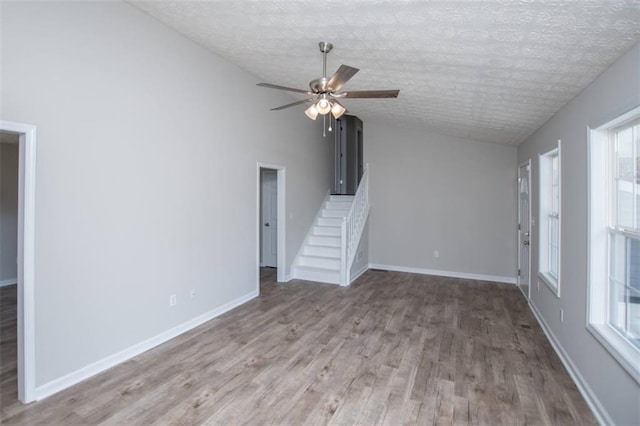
(341, 76)
(370, 94)
(290, 89)
(304, 101)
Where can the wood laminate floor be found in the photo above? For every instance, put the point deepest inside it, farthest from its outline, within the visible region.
(8, 346)
(394, 348)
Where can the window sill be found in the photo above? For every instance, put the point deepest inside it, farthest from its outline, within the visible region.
(623, 352)
(551, 282)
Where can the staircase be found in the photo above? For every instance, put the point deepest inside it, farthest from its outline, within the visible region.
(329, 250)
(320, 256)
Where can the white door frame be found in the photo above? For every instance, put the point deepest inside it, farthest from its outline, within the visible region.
(26, 257)
(281, 179)
(524, 164)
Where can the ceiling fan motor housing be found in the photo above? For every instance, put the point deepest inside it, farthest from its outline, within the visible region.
(319, 85)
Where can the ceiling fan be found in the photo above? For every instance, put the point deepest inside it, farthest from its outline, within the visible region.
(324, 92)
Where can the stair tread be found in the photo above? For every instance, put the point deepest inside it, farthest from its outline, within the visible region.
(322, 245)
(320, 256)
(316, 268)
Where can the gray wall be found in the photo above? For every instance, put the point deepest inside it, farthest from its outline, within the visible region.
(146, 174)
(616, 91)
(433, 192)
(8, 210)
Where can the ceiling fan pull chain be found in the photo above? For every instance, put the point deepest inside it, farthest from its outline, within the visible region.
(324, 126)
(329, 122)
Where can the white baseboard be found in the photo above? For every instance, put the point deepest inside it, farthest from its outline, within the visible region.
(90, 370)
(10, 281)
(589, 396)
(451, 274)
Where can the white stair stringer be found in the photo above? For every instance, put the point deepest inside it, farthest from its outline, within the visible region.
(319, 257)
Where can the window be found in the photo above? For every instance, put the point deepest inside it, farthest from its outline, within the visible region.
(549, 238)
(614, 238)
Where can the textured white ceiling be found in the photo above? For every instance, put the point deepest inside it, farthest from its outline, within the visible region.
(486, 70)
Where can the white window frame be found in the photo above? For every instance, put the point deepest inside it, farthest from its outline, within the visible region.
(547, 215)
(600, 202)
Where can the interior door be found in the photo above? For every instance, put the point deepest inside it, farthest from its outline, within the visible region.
(524, 228)
(269, 200)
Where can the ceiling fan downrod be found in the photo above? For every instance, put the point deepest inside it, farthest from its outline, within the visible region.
(325, 48)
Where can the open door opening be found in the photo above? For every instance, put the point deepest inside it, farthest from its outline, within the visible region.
(9, 163)
(24, 136)
(348, 155)
(269, 218)
(271, 223)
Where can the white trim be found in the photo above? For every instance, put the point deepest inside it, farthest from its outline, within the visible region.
(627, 355)
(463, 275)
(551, 282)
(589, 396)
(10, 281)
(596, 311)
(97, 367)
(26, 258)
(599, 175)
(543, 222)
(282, 221)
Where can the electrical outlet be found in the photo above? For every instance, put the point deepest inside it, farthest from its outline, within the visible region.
(436, 253)
(561, 315)
(173, 300)
(192, 293)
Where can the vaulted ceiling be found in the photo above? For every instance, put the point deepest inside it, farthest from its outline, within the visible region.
(493, 70)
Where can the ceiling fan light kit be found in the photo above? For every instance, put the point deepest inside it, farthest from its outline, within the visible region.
(312, 112)
(325, 92)
(337, 110)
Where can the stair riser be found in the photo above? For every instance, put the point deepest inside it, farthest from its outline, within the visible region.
(333, 231)
(329, 221)
(341, 198)
(320, 262)
(324, 241)
(334, 213)
(325, 277)
(343, 205)
(321, 251)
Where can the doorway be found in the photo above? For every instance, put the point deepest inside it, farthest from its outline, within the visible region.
(524, 228)
(348, 155)
(271, 224)
(25, 137)
(269, 218)
(9, 162)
